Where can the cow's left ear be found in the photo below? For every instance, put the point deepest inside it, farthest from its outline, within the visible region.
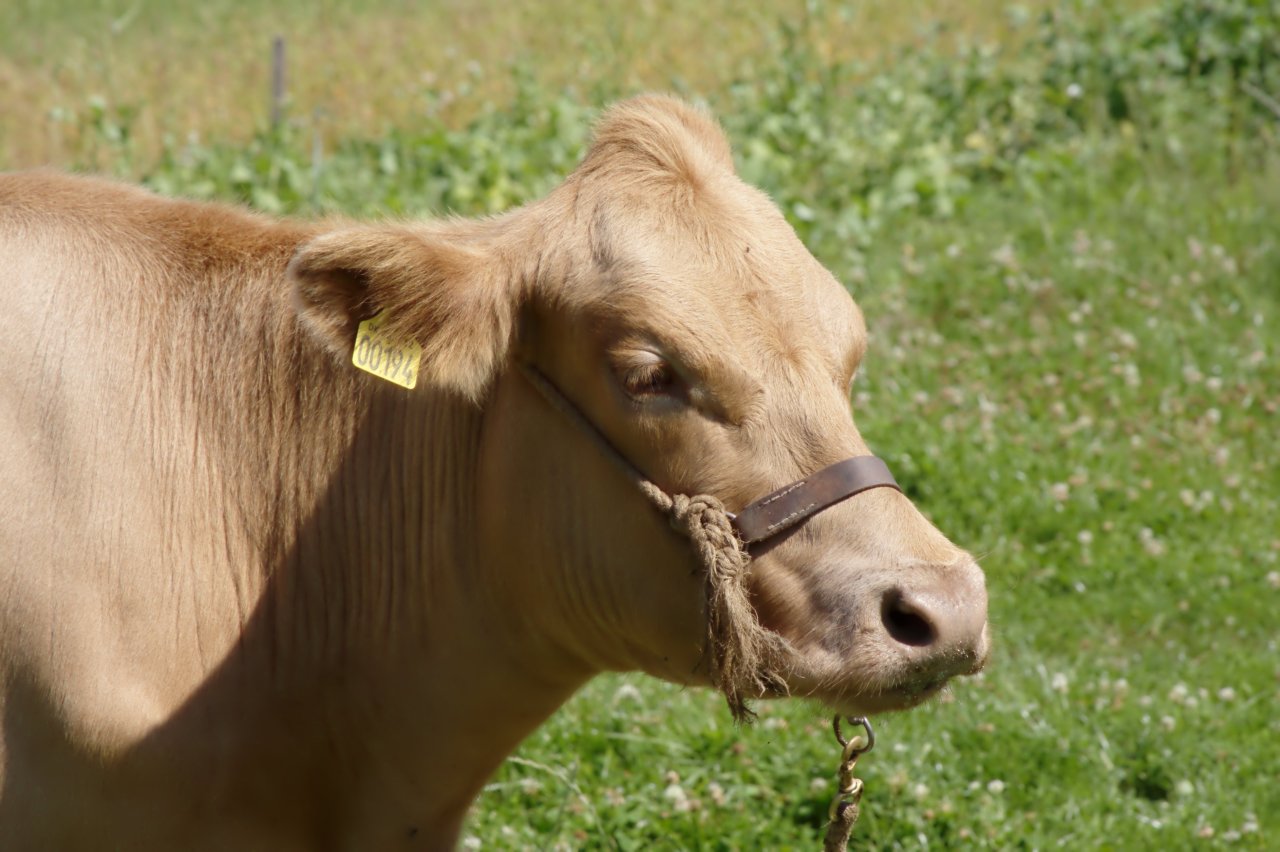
(450, 297)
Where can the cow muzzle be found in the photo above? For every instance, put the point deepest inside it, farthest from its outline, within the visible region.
(937, 626)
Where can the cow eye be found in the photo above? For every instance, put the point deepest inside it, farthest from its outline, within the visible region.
(648, 380)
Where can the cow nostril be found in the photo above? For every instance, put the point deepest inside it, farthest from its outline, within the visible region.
(905, 623)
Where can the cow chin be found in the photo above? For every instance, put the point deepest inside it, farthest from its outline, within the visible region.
(859, 687)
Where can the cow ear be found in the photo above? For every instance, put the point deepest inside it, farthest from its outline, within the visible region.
(454, 299)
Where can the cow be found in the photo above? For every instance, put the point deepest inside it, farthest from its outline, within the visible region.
(253, 597)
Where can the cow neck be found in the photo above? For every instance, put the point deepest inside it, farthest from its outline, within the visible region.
(367, 625)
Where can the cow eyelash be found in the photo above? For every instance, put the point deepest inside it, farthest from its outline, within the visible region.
(648, 380)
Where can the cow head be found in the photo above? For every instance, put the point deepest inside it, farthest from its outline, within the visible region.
(679, 312)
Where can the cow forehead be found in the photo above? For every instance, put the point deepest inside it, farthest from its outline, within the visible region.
(733, 279)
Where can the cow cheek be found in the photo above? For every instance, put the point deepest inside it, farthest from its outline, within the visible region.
(576, 552)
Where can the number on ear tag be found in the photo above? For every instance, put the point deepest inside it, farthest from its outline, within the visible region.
(394, 360)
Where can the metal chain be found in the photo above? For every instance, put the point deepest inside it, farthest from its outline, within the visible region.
(843, 812)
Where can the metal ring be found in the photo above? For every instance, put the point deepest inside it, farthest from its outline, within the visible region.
(843, 799)
(855, 720)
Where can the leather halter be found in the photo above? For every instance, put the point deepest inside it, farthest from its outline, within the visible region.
(770, 515)
(795, 503)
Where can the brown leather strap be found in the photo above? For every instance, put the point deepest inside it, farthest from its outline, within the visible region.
(793, 503)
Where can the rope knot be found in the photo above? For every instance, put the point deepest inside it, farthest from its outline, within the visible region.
(743, 654)
(704, 520)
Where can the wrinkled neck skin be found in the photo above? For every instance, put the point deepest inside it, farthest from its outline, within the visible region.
(441, 671)
(383, 663)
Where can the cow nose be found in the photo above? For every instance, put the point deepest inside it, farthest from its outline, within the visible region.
(939, 625)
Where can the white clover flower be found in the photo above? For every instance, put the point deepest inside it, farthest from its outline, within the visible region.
(1152, 545)
(1074, 91)
(995, 787)
(626, 692)
(1005, 256)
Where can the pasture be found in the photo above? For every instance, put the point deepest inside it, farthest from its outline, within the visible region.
(1064, 230)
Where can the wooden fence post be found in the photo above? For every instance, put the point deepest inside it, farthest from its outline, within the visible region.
(277, 82)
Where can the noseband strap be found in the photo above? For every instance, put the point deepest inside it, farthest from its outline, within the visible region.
(770, 515)
(793, 504)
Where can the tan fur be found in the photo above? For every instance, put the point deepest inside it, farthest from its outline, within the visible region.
(252, 598)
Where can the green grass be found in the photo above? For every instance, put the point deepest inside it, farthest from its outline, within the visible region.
(1068, 252)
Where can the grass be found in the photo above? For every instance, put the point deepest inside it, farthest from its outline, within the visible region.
(1067, 250)
(363, 68)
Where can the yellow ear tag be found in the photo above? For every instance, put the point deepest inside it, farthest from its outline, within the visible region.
(393, 360)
